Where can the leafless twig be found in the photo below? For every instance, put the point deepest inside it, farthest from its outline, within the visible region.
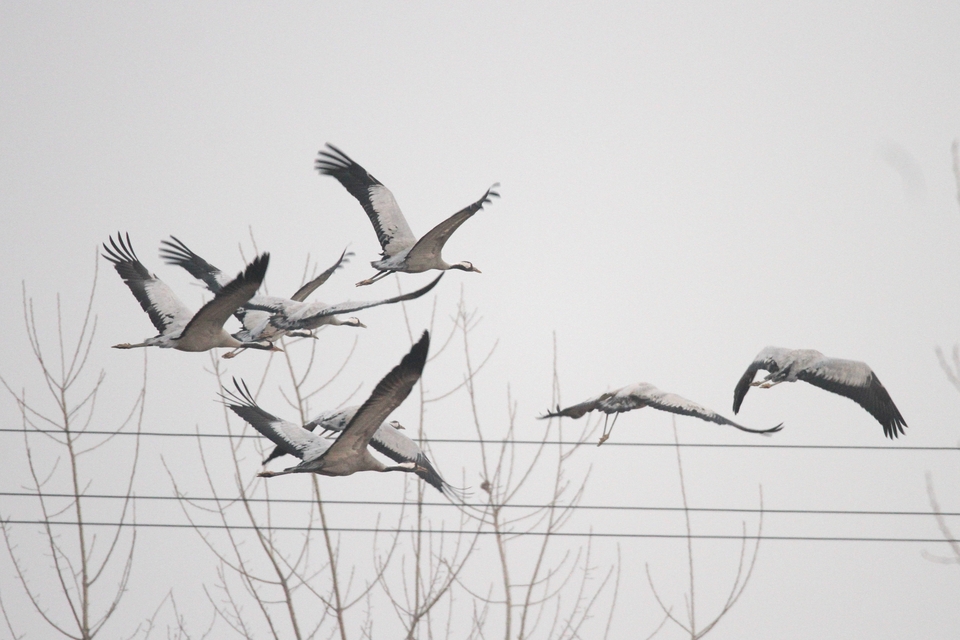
(77, 566)
(944, 529)
(740, 580)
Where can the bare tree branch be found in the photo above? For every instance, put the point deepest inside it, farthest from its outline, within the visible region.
(740, 580)
(78, 565)
(942, 525)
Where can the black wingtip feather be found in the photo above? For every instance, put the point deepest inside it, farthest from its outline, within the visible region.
(342, 167)
(877, 401)
(241, 402)
(775, 429)
(242, 396)
(254, 272)
(556, 413)
(417, 357)
(574, 412)
(121, 253)
(257, 269)
(175, 252)
(328, 162)
(894, 425)
(276, 453)
(743, 385)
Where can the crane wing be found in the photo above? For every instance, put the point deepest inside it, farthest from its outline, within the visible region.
(336, 420)
(392, 229)
(399, 448)
(429, 247)
(673, 403)
(155, 297)
(766, 360)
(231, 297)
(174, 252)
(289, 438)
(387, 440)
(389, 393)
(312, 286)
(327, 421)
(577, 410)
(306, 317)
(857, 381)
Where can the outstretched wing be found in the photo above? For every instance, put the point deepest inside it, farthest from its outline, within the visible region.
(399, 448)
(577, 410)
(327, 421)
(307, 316)
(392, 229)
(857, 381)
(673, 403)
(336, 420)
(230, 298)
(388, 440)
(311, 286)
(155, 297)
(174, 252)
(289, 438)
(766, 360)
(387, 396)
(429, 247)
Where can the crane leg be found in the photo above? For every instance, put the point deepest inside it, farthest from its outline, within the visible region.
(771, 379)
(234, 353)
(273, 474)
(127, 345)
(606, 432)
(374, 278)
(766, 384)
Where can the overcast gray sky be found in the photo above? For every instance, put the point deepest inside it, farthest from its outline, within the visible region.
(682, 185)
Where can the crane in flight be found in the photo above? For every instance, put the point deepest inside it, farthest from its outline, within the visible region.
(643, 394)
(402, 251)
(349, 452)
(178, 327)
(849, 378)
(271, 317)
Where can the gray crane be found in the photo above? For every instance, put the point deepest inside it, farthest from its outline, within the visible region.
(850, 378)
(179, 327)
(347, 454)
(401, 249)
(387, 440)
(175, 252)
(643, 394)
(272, 317)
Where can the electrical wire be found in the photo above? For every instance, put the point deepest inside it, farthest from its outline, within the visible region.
(495, 441)
(813, 512)
(480, 505)
(467, 532)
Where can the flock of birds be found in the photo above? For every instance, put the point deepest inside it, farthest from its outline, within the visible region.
(266, 319)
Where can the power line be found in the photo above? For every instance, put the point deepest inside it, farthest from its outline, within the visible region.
(512, 534)
(495, 441)
(480, 505)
